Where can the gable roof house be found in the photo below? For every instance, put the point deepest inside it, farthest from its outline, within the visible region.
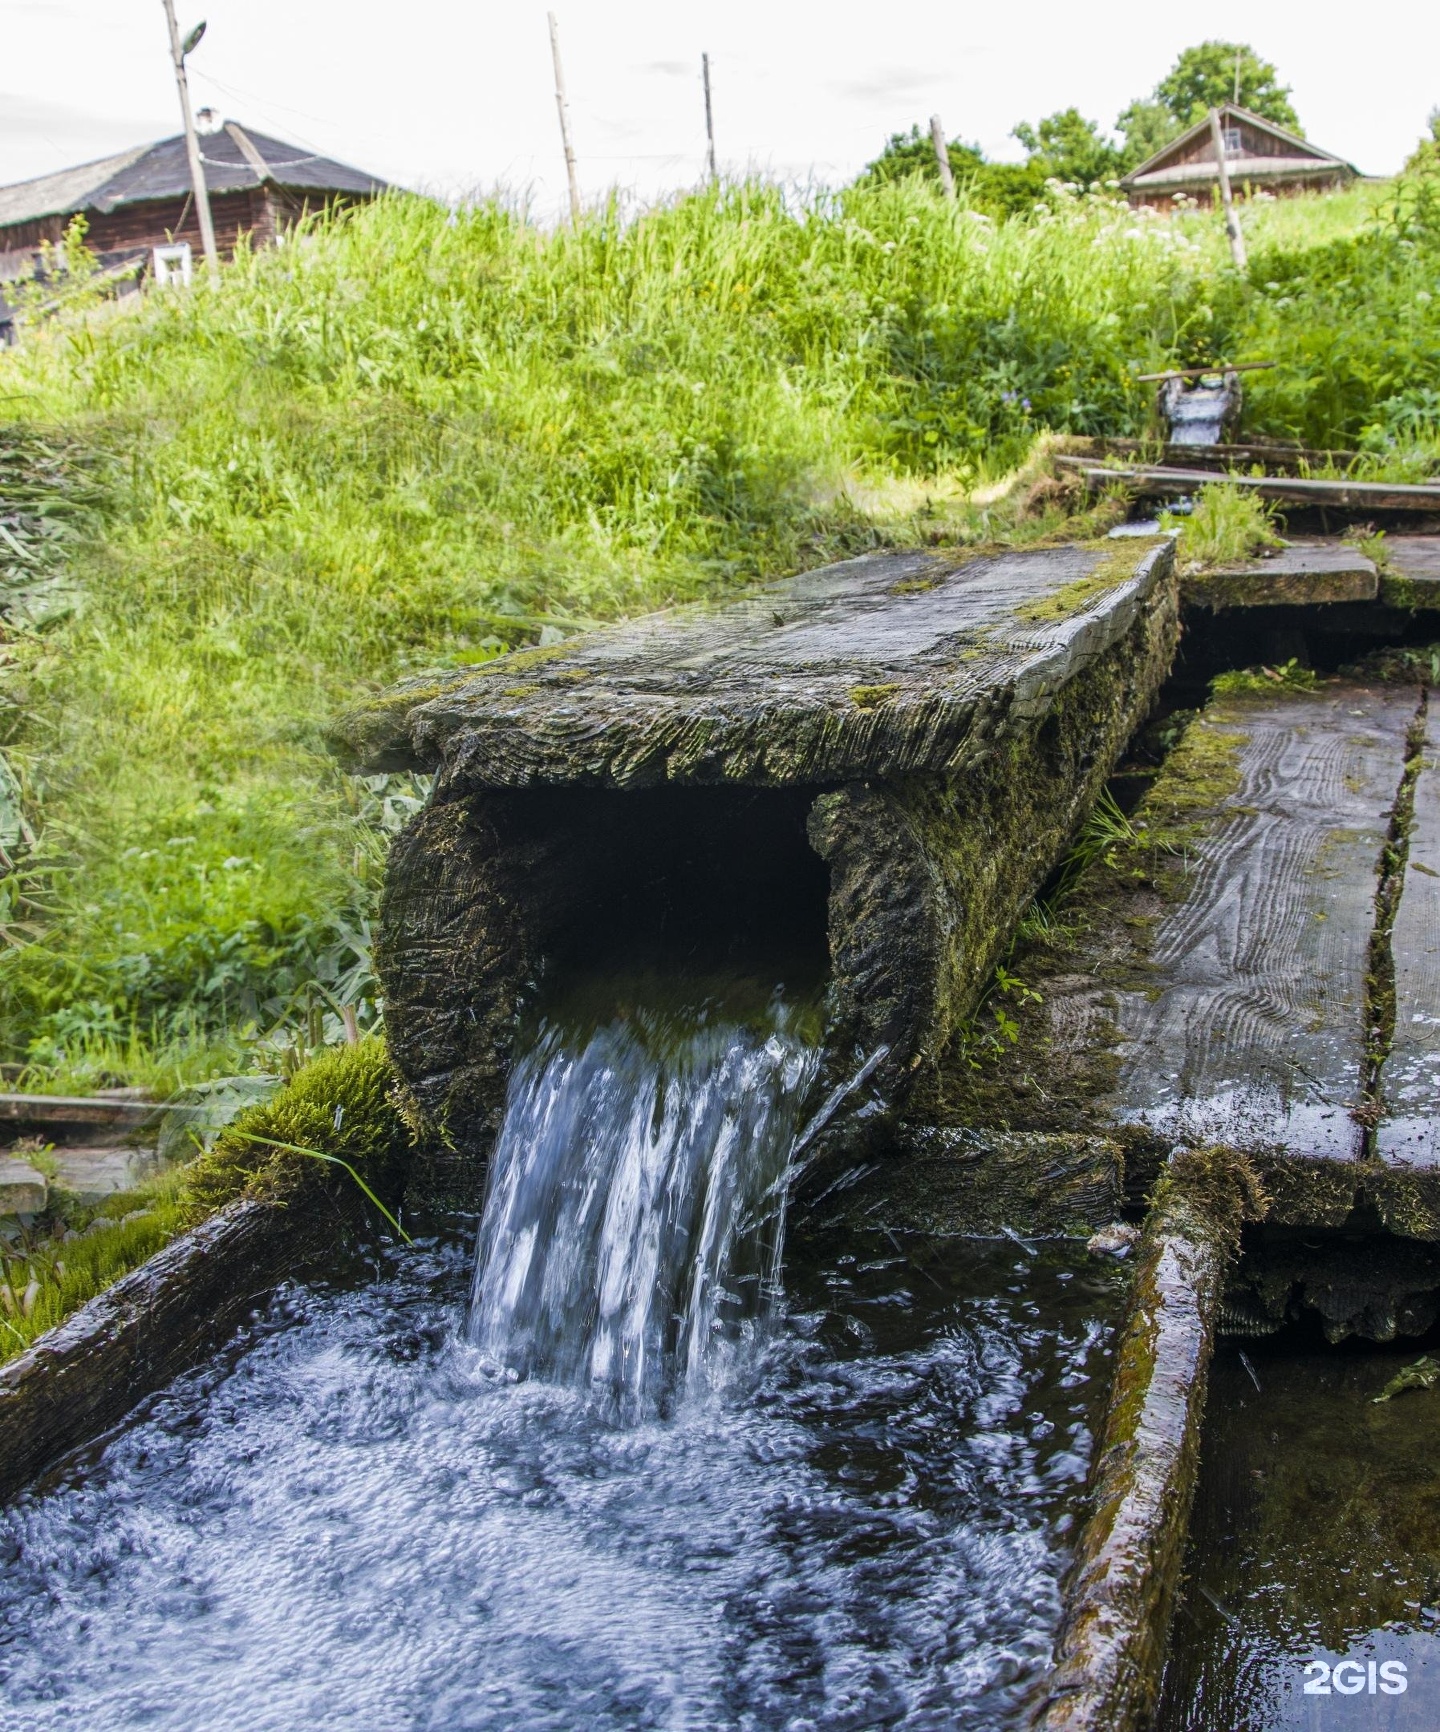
(1259, 155)
(142, 198)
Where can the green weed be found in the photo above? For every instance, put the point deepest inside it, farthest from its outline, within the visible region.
(1228, 524)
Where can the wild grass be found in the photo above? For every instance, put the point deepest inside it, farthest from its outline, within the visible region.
(1227, 524)
(412, 438)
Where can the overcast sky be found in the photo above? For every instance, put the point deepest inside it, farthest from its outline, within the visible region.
(457, 98)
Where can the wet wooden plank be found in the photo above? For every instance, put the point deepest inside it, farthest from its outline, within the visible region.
(1170, 482)
(1412, 571)
(1410, 1080)
(1303, 574)
(1251, 1031)
(1111, 1650)
(882, 665)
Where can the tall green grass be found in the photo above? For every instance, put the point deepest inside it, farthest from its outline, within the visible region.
(411, 437)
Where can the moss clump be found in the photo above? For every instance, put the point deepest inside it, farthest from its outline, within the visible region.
(341, 1104)
(48, 1274)
(1399, 665)
(1210, 1193)
(872, 697)
(1290, 677)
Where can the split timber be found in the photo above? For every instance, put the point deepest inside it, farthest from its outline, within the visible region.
(944, 720)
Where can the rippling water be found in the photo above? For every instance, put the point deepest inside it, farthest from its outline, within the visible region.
(349, 1521)
(600, 1473)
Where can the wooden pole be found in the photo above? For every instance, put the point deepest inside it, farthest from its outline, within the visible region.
(709, 118)
(192, 147)
(1232, 219)
(562, 103)
(942, 156)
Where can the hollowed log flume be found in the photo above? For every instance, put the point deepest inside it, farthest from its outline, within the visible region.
(890, 754)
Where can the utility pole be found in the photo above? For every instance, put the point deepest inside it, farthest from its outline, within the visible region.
(709, 118)
(178, 51)
(564, 107)
(942, 155)
(1232, 219)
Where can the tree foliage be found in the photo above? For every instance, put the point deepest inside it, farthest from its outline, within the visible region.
(1065, 146)
(1214, 73)
(997, 188)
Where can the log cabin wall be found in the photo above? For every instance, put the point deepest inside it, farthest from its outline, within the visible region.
(261, 212)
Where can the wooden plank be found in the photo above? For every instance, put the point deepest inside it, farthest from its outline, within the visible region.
(1155, 482)
(1412, 571)
(60, 1111)
(1304, 573)
(1252, 1032)
(1271, 459)
(882, 665)
(1111, 1648)
(1410, 1079)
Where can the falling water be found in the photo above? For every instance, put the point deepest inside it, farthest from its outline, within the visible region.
(633, 1230)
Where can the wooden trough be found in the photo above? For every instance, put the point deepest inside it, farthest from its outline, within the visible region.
(892, 753)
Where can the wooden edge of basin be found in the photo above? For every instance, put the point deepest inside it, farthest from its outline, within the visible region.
(1111, 1648)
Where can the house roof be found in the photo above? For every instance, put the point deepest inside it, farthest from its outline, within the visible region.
(234, 157)
(1297, 158)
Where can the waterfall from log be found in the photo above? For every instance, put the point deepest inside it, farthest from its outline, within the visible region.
(634, 1225)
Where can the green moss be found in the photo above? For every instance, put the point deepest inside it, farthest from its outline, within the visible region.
(46, 1276)
(519, 660)
(341, 1103)
(916, 585)
(1209, 1193)
(872, 697)
(1117, 565)
(1289, 677)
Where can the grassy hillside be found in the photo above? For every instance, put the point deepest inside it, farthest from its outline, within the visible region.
(415, 439)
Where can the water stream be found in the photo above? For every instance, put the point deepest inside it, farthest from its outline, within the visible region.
(604, 1473)
(632, 1236)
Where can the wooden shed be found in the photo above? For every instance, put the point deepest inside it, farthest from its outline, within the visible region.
(1260, 156)
(142, 198)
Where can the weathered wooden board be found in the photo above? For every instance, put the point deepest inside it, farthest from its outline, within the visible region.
(1412, 571)
(1410, 1080)
(1303, 574)
(1167, 482)
(1252, 1033)
(882, 665)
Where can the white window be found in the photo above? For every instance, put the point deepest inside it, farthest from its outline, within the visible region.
(172, 265)
(1232, 141)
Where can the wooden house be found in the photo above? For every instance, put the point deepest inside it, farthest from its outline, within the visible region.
(142, 199)
(1261, 157)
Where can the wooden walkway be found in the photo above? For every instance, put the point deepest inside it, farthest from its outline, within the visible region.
(1225, 980)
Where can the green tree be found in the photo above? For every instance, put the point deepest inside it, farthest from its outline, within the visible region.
(998, 188)
(1207, 76)
(1068, 147)
(1146, 127)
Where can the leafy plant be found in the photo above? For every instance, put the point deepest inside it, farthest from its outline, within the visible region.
(1227, 524)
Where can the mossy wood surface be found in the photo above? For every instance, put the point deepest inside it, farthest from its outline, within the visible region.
(1304, 574)
(1409, 1130)
(1412, 571)
(1213, 986)
(1111, 1650)
(881, 666)
(1253, 1030)
(928, 869)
